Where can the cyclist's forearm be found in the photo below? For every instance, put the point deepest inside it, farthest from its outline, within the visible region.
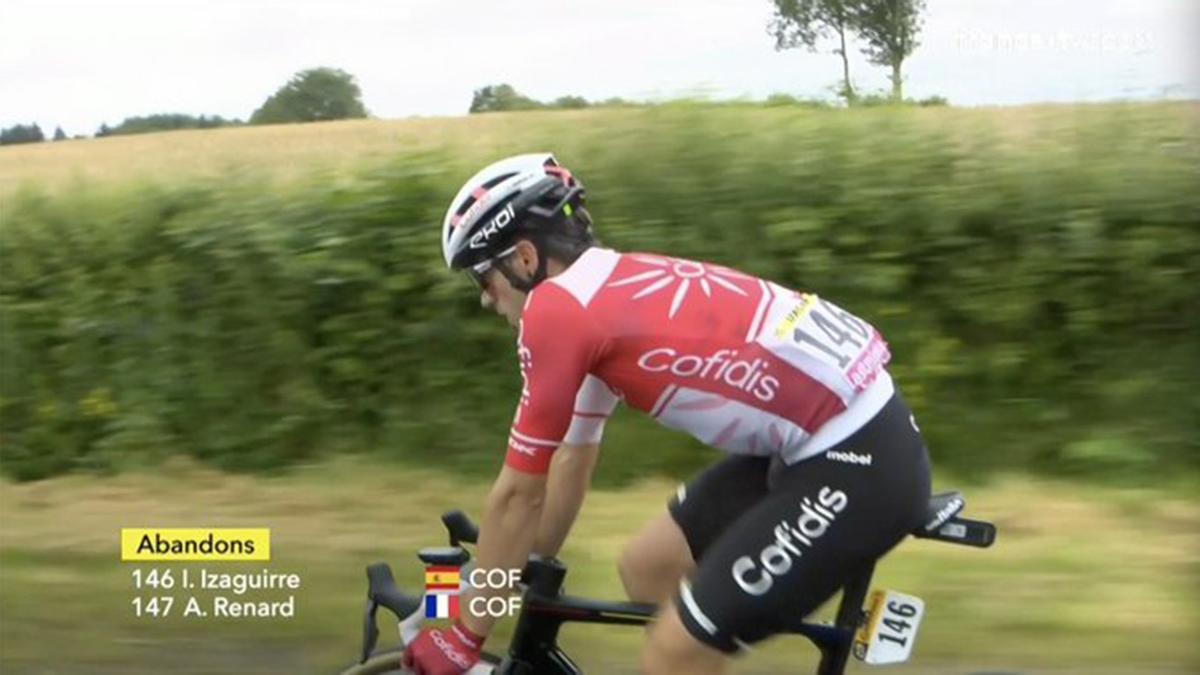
(570, 475)
(505, 535)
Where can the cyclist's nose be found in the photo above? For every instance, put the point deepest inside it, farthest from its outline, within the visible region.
(485, 299)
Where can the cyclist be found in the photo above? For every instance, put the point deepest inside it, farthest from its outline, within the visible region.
(826, 468)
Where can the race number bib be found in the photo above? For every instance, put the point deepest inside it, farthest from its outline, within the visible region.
(834, 336)
(889, 628)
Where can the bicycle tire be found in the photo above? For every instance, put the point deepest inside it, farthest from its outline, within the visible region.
(387, 662)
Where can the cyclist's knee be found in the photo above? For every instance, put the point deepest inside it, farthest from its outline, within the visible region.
(654, 561)
(625, 569)
(644, 581)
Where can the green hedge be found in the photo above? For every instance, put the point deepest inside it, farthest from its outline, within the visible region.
(1040, 287)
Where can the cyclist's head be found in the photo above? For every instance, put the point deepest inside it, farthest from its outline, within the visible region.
(511, 220)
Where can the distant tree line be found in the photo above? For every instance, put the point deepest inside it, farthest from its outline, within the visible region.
(503, 97)
(863, 100)
(314, 95)
(165, 122)
(323, 94)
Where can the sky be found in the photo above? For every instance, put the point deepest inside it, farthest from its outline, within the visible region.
(78, 64)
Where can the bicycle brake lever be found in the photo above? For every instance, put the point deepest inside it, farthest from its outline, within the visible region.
(410, 627)
(370, 631)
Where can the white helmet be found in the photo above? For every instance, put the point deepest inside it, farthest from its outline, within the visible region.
(527, 194)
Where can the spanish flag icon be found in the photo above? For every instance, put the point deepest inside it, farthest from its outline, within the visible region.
(441, 592)
(441, 579)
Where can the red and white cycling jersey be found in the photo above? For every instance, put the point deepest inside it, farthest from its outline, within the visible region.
(742, 364)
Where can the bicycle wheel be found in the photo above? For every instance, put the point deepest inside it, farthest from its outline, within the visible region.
(387, 662)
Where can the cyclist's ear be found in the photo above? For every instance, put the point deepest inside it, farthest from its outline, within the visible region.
(526, 259)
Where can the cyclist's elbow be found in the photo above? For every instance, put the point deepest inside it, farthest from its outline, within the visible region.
(518, 490)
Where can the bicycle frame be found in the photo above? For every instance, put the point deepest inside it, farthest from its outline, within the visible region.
(534, 648)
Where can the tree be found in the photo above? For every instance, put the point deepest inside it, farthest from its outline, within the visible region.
(499, 98)
(314, 95)
(801, 23)
(59, 134)
(20, 133)
(890, 29)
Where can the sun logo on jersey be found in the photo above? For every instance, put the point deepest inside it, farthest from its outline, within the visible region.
(668, 271)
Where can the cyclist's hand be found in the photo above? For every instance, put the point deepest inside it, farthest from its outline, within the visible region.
(443, 651)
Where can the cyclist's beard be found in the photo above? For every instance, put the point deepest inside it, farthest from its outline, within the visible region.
(510, 304)
(513, 315)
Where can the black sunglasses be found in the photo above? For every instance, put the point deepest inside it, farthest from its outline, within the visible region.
(479, 271)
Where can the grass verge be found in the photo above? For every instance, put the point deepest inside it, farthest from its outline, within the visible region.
(1082, 579)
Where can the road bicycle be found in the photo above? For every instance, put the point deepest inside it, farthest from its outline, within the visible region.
(881, 632)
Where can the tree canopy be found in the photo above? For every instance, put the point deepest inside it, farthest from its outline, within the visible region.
(802, 23)
(501, 97)
(21, 133)
(314, 95)
(888, 28)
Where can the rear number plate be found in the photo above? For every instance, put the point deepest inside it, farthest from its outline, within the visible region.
(890, 627)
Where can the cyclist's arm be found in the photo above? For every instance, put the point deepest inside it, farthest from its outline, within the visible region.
(572, 464)
(554, 365)
(505, 537)
(570, 474)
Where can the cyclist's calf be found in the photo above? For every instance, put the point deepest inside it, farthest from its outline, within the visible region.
(654, 561)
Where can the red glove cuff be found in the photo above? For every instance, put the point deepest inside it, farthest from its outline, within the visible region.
(467, 637)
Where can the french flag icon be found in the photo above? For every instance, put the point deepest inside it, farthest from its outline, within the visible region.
(441, 606)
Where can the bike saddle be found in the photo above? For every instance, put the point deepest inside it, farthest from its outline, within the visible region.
(942, 522)
(942, 507)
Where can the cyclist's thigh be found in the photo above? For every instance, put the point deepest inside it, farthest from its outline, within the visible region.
(824, 521)
(655, 560)
(713, 500)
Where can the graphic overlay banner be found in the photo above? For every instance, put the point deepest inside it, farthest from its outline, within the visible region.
(195, 544)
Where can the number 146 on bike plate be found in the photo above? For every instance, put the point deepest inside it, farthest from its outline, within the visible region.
(889, 629)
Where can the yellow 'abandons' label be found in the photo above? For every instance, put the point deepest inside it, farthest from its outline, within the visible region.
(195, 544)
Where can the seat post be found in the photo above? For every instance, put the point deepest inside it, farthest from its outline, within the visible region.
(849, 615)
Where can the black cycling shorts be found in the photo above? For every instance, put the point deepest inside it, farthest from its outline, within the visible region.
(772, 543)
